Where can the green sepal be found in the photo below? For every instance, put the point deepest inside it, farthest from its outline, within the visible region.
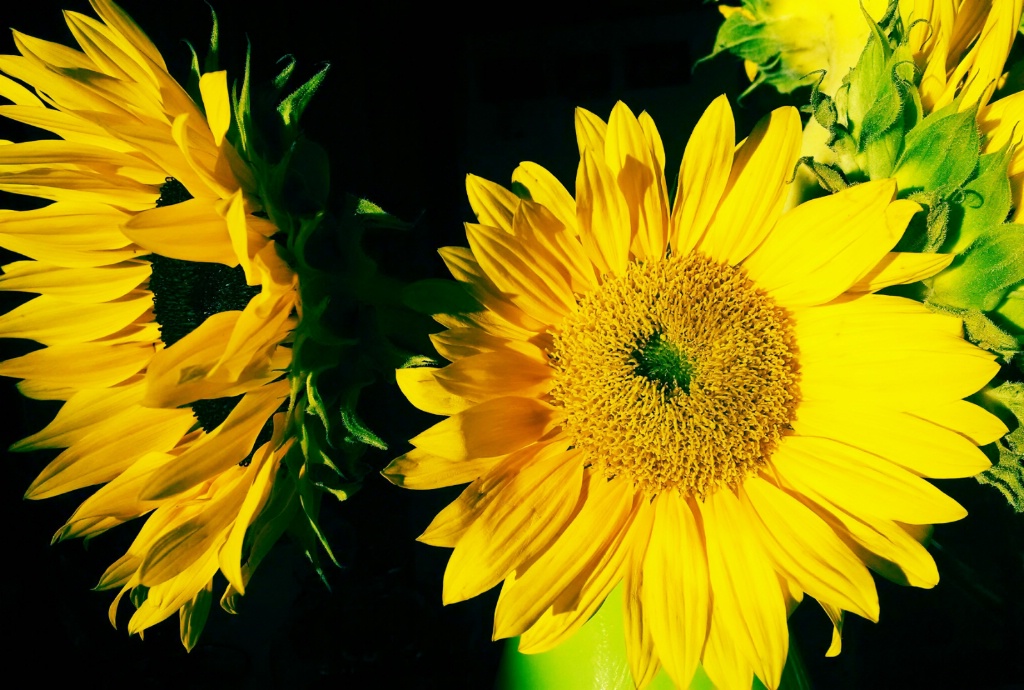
(981, 276)
(192, 617)
(1007, 475)
(830, 178)
(373, 216)
(941, 153)
(984, 332)
(986, 200)
(294, 104)
(882, 104)
(138, 595)
(211, 63)
(1011, 312)
(272, 521)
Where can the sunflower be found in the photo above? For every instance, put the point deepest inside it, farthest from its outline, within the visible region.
(170, 318)
(956, 45)
(703, 400)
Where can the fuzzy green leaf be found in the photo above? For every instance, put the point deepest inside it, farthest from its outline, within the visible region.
(941, 153)
(983, 274)
(986, 200)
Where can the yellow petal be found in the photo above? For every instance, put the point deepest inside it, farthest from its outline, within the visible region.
(495, 427)
(545, 189)
(419, 470)
(110, 448)
(590, 132)
(493, 204)
(132, 36)
(926, 449)
(602, 215)
(972, 421)
(79, 414)
(799, 264)
(530, 512)
(552, 246)
(166, 598)
(222, 448)
(523, 278)
(748, 601)
(653, 139)
(884, 545)
(862, 483)
(885, 351)
(214, 89)
(421, 388)
(188, 370)
(723, 662)
(643, 660)
(496, 374)
(676, 596)
(642, 183)
(82, 285)
(81, 365)
(465, 268)
(558, 575)
(191, 231)
(807, 550)
(256, 495)
(116, 501)
(448, 526)
(757, 188)
(592, 588)
(835, 614)
(703, 175)
(53, 321)
(79, 186)
(900, 268)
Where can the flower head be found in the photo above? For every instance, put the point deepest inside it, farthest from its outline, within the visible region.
(174, 288)
(704, 400)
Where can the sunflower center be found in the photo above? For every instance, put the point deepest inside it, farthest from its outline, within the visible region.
(186, 293)
(679, 375)
(662, 361)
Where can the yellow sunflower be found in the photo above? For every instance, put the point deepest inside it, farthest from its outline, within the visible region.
(170, 320)
(957, 46)
(702, 399)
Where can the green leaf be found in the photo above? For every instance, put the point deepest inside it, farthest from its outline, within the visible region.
(376, 217)
(986, 200)
(983, 274)
(1011, 311)
(941, 153)
(829, 177)
(360, 431)
(1007, 475)
(293, 105)
(983, 332)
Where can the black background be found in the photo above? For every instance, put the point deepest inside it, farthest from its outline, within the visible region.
(419, 95)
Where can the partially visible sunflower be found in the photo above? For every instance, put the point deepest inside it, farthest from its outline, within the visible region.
(956, 45)
(172, 288)
(704, 400)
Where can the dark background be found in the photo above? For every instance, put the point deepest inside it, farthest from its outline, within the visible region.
(419, 95)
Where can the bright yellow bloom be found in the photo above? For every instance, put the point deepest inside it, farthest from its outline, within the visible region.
(141, 180)
(703, 400)
(808, 37)
(959, 45)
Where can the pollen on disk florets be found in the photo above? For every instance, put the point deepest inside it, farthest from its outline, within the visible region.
(678, 375)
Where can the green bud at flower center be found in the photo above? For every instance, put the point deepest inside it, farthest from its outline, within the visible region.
(661, 361)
